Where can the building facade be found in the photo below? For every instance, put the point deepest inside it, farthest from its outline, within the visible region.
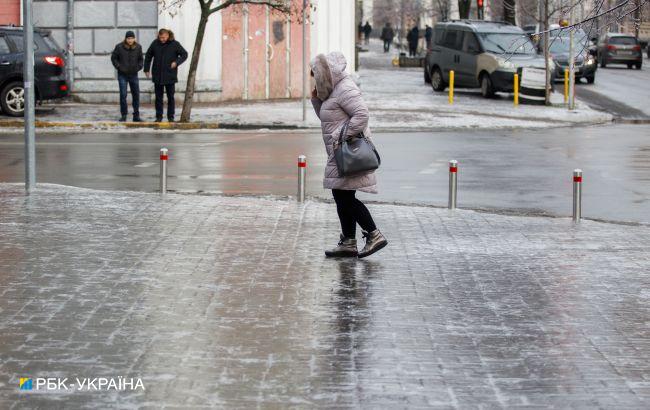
(248, 52)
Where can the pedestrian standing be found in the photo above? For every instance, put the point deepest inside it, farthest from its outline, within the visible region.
(412, 38)
(387, 34)
(127, 59)
(337, 100)
(367, 29)
(167, 54)
(360, 31)
(428, 35)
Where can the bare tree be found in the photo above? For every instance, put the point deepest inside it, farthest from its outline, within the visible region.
(208, 8)
(598, 19)
(510, 11)
(464, 8)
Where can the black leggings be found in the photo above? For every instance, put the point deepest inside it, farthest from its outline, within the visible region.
(352, 212)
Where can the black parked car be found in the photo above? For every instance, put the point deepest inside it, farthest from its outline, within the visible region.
(583, 54)
(49, 75)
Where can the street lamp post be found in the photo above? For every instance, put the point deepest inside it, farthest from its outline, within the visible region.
(304, 63)
(28, 75)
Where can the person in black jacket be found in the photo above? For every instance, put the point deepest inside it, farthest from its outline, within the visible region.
(127, 60)
(167, 54)
(428, 35)
(367, 29)
(387, 34)
(412, 38)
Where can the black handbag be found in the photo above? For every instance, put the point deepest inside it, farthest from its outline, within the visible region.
(355, 154)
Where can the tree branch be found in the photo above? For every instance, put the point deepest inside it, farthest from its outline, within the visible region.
(275, 4)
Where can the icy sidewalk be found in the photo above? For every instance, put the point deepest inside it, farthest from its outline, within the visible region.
(229, 302)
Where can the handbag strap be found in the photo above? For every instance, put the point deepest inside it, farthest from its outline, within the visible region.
(344, 131)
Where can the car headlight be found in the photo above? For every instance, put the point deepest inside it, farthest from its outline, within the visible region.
(590, 60)
(504, 63)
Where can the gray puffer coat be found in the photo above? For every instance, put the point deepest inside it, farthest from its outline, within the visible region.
(339, 99)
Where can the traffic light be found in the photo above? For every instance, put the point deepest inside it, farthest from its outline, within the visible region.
(479, 9)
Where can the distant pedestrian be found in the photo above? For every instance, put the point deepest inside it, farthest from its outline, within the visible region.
(127, 59)
(360, 31)
(337, 100)
(412, 38)
(367, 29)
(167, 54)
(428, 35)
(387, 34)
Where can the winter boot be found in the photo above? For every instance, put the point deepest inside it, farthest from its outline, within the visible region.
(158, 119)
(123, 118)
(136, 118)
(374, 242)
(346, 247)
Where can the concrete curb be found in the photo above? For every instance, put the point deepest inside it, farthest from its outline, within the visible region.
(150, 125)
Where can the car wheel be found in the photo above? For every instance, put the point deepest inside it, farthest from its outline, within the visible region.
(12, 99)
(629, 66)
(437, 82)
(591, 79)
(427, 76)
(487, 89)
(638, 66)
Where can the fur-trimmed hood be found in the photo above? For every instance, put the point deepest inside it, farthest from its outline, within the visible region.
(328, 71)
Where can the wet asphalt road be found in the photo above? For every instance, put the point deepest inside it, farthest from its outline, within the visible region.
(523, 170)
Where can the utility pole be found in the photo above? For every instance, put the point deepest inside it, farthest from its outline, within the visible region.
(28, 75)
(572, 66)
(69, 36)
(304, 62)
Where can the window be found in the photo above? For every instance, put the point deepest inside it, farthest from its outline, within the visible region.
(439, 36)
(470, 43)
(49, 41)
(18, 41)
(624, 41)
(4, 47)
(507, 43)
(453, 39)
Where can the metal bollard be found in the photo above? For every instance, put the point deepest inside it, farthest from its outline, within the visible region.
(302, 170)
(515, 87)
(163, 170)
(453, 183)
(566, 85)
(451, 86)
(577, 195)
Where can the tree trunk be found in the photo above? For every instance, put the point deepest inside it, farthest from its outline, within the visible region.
(194, 64)
(464, 7)
(509, 12)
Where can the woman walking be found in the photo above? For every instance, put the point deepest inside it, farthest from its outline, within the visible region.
(337, 100)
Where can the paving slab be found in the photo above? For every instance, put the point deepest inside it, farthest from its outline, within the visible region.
(216, 301)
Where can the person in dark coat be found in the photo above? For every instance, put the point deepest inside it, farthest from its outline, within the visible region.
(367, 29)
(167, 54)
(412, 38)
(127, 59)
(360, 31)
(387, 34)
(428, 35)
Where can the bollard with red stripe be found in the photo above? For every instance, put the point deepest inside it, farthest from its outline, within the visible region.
(453, 183)
(163, 170)
(302, 171)
(577, 195)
